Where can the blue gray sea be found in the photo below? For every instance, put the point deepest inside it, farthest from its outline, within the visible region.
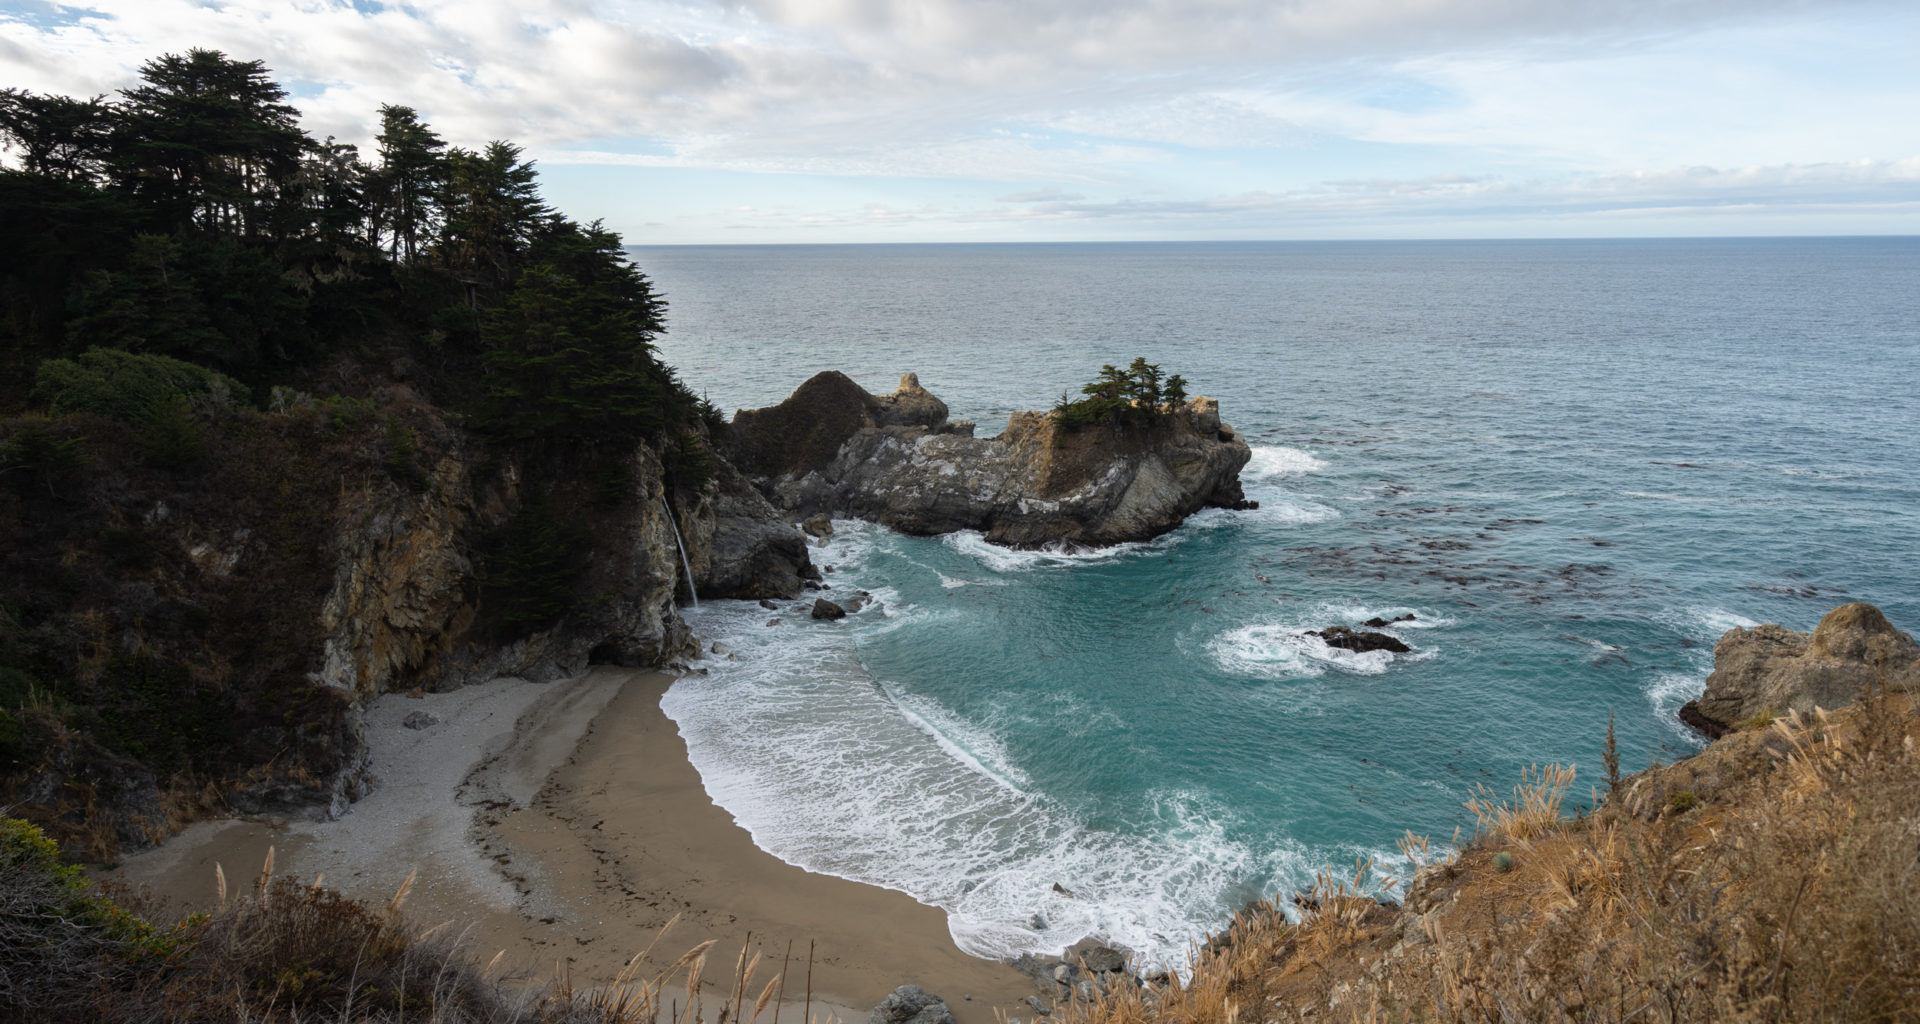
(1576, 463)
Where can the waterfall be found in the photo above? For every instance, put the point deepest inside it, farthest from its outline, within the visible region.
(683, 550)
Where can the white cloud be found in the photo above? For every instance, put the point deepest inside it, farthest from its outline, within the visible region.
(1097, 100)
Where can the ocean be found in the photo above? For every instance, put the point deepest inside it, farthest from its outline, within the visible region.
(1575, 463)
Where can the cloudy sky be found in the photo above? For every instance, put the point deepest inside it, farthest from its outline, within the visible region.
(1003, 120)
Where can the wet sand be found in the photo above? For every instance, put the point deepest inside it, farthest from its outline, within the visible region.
(563, 824)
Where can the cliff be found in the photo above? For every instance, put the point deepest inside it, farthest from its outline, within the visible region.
(223, 625)
(897, 460)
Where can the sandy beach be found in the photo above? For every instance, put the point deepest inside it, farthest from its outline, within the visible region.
(562, 823)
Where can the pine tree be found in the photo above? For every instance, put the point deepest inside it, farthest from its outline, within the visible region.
(490, 204)
(208, 141)
(404, 188)
(569, 351)
(57, 136)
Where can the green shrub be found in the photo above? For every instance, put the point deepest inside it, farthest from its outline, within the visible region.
(171, 436)
(343, 413)
(131, 386)
(152, 711)
(401, 458)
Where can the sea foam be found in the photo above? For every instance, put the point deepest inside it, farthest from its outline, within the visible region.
(838, 772)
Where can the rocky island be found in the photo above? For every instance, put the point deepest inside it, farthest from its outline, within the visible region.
(896, 459)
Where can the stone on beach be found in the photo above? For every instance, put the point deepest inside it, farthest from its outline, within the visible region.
(911, 1004)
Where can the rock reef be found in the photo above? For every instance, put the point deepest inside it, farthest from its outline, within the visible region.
(897, 460)
(1766, 671)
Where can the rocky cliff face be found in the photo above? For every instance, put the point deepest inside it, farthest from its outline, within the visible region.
(1766, 671)
(896, 460)
(739, 545)
(405, 600)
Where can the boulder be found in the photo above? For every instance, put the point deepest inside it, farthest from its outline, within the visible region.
(420, 720)
(1359, 641)
(1097, 956)
(895, 461)
(911, 1004)
(1769, 670)
(825, 609)
(818, 526)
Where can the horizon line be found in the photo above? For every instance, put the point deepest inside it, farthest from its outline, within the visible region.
(1284, 241)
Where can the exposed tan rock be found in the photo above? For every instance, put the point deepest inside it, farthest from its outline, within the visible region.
(1768, 670)
(911, 406)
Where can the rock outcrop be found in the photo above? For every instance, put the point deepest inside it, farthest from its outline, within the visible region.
(896, 460)
(742, 547)
(911, 1004)
(1360, 641)
(1765, 671)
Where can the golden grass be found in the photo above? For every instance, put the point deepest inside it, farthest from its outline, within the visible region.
(1785, 891)
(1534, 811)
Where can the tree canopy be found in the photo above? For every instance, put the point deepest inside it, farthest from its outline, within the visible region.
(192, 217)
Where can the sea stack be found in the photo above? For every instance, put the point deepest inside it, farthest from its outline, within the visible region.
(897, 460)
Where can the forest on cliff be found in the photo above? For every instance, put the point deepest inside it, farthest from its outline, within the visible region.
(211, 326)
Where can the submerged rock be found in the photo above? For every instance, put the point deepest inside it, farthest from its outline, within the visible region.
(833, 448)
(1768, 670)
(911, 1004)
(1359, 641)
(1379, 623)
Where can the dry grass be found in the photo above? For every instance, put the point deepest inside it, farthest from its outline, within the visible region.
(1783, 891)
(1534, 811)
(290, 952)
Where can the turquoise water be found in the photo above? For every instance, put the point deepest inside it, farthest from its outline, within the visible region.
(1577, 463)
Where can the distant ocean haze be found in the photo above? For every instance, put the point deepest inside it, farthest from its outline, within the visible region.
(1574, 463)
